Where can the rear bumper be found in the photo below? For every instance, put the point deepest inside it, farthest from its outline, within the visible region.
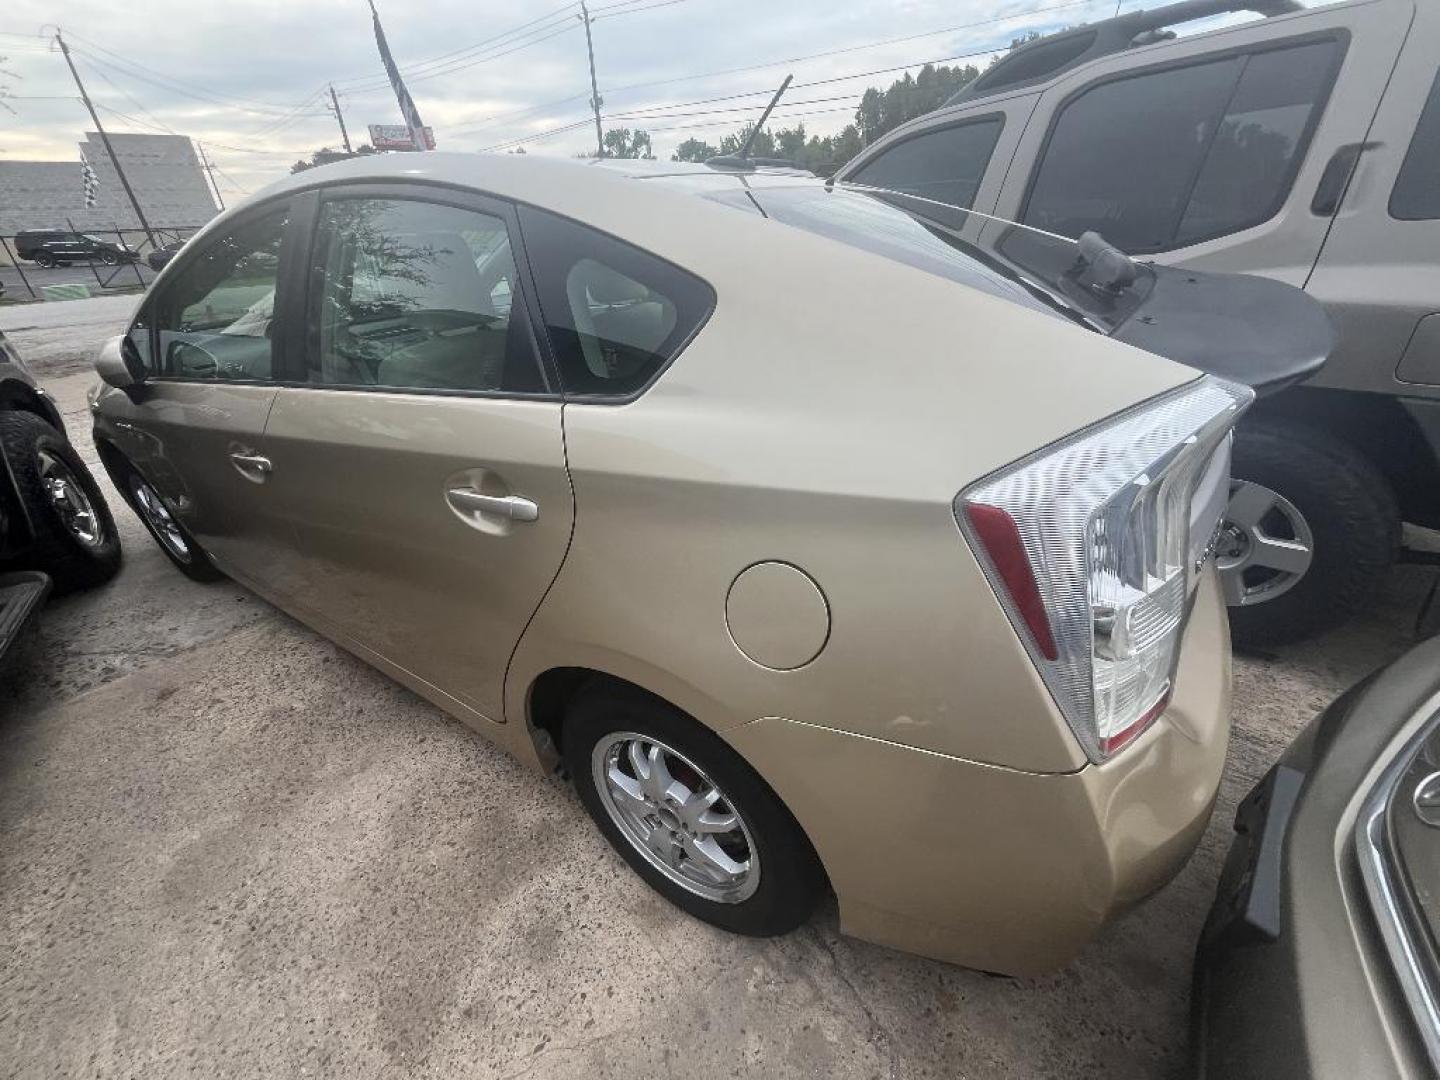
(997, 868)
(1291, 974)
(22, 594)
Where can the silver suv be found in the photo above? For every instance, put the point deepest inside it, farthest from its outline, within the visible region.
(1303, 146)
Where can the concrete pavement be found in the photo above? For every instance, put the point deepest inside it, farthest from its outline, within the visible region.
(227, 848)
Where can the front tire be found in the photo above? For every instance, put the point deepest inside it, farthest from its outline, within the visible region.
(1311, 531)
(166, 530)
(75, 539)
(688, 814)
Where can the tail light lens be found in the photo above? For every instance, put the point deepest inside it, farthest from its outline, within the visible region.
(1095, 546)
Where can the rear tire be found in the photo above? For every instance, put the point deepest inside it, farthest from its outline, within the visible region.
(1347, 507)
(170, 536)
(44, 259)
(788, 881)
(75, 539)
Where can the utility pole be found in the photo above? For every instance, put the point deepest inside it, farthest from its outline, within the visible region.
(595, 101)
(211, 170)
(334, 101)
(115, 161)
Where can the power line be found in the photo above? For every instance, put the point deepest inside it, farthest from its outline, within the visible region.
(125, 66)
(497, 121)
(421, 65)
(435, 74)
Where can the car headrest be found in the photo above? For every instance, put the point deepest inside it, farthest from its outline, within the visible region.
(608, 286)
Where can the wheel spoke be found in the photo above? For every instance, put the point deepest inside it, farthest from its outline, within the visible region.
(658, 781)
(629, 795)
(708, 857)
(1290, 556)
(1249, 503)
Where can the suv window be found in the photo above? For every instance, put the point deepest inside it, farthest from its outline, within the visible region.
(946, 164)
(213, 321)
(418, 295)
(615, 314)
(1220, 143)
(1417, 188)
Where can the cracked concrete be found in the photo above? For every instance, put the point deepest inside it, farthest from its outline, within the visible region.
(227, 848)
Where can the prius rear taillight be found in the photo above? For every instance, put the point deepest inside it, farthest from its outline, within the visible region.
(1095, 545)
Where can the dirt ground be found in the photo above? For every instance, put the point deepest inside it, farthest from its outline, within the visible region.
(227, 848)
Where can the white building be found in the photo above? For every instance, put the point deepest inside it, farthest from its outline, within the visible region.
(163, 170)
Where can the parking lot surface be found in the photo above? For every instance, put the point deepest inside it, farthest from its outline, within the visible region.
(228, 848)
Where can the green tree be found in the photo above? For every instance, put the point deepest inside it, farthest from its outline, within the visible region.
(622, 143)
(326, 156)
(693, 149)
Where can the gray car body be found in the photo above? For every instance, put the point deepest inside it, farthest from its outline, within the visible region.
(1293, 976)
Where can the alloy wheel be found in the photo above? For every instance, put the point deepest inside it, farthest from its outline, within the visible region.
(676, 817)
(1265, 545)
(66, 495)
(162, 524)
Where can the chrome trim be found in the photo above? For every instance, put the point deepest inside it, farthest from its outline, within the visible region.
(1382, 890)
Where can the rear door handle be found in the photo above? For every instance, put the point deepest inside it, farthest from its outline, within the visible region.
(252, 463)
(514, 507)
(1335, 180)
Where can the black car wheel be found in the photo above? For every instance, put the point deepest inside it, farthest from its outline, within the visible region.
(1311, 531)
(167, 531)
(109, 258)
(45, 259)
(688, 814)
(75, 540)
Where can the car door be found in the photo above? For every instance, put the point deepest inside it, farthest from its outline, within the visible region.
(1379, 271)
(1208, 152)
(210, 340)
(419, 455)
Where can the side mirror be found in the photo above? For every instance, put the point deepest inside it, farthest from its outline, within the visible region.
(119, 363)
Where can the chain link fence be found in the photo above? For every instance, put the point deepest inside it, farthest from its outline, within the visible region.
(60, 263)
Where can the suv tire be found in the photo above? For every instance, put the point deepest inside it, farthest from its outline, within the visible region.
(45, 259)
(1351, 515)
(75, 539)
(788, 878)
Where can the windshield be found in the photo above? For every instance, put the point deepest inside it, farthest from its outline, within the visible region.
(1031, 268)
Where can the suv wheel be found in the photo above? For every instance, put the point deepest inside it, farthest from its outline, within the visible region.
(688, 814)
(1310, 533)
(45, 259)
(167, 531)
(109, 258)
(75, 539)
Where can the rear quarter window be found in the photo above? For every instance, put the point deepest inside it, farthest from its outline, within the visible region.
(615, 315)
(946, 164)
(1416, 195)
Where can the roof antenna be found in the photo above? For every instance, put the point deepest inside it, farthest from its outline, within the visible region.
(742, 159)
(755, 131)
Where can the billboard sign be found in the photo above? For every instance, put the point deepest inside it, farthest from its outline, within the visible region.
(397, 137)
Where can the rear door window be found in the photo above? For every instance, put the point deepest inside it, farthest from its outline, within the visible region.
(1168, 158)
(415, 295)
(946, 164)
(615, 315)
(1417, 189)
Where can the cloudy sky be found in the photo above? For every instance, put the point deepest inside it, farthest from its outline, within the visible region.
(248, 78)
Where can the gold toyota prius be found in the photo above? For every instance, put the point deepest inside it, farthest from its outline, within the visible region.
(821, 544)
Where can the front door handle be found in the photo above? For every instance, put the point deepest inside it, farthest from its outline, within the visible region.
(514, 507)
(249, 463)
